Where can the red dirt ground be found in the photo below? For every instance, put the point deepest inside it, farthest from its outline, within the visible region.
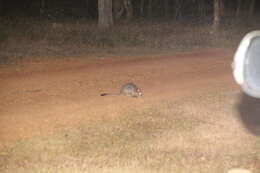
(43, 98)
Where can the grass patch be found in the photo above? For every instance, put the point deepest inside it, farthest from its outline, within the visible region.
(37, 38)
(178, 137)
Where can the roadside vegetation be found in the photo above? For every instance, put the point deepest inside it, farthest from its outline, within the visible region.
(39, 39)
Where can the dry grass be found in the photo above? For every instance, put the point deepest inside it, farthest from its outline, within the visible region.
(33, 38)
(183, 137)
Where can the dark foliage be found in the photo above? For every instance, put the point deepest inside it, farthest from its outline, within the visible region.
(88, 8)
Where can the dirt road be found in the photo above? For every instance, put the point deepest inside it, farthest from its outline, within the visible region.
(43, 98)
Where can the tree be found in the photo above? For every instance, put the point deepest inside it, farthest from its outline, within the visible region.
(1, 7)
(118, 9)
(222, 8)
(166, 8)
(142, 8)
(150, 8)
(238, 10)
(216, 15)
(178, 7)
(202, 8)
(129, 9)
(121, 6)
(42, 8)
(251, 8)
(105, 16)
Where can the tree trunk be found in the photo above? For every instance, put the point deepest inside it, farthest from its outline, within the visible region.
(222, 8)
(1, 8)
(166, 8)
(202, 8)
(150, 8)
(238, 10)
(129, 9)
(142, 8)
(251, 8)
(118, 9)
(216, 16)
(86, 4)
(42, 8)
(178, 6)
(105, 16)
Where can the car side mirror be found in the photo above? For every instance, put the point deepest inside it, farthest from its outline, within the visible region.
(246, 64)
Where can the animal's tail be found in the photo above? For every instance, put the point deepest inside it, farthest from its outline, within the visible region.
(106, 94)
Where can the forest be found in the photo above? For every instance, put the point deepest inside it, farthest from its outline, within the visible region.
(153, 24)
(130, 9)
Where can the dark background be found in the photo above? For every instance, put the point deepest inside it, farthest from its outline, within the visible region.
(89, 8)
